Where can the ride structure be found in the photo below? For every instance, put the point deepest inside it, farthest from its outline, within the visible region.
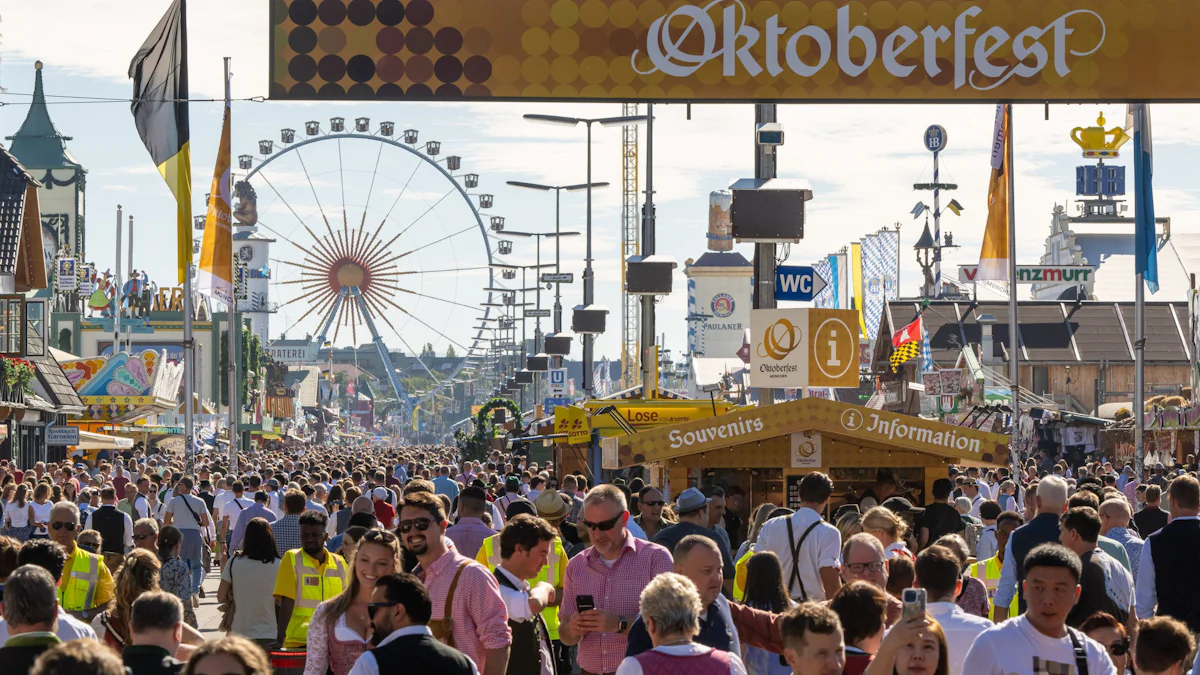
(391, 263)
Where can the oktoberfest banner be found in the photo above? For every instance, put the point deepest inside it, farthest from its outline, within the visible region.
(880, 271)
(734, 50)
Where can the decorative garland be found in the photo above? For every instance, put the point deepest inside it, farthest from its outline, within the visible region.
(477, 445)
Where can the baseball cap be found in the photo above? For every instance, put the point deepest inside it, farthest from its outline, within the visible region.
(902, 505)
(379, 493)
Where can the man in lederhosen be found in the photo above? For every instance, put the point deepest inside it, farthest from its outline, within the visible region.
(525, 544)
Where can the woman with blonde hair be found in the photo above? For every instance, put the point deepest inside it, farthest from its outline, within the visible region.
(39, 511)
(230, 655)
(138, 575)
(340, 630)
(890, 529)
(850, 524)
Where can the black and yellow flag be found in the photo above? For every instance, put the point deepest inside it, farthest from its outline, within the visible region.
(905, 353)
(160, 110)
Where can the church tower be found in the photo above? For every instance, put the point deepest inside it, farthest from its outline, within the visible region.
(43, 151)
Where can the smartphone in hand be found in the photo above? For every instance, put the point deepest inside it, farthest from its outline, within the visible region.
(584, 603)
(914, 600)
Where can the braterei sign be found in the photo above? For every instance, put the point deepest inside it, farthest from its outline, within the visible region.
(734, 50)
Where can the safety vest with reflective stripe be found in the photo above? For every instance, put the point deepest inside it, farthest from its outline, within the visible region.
(739, 575)
(312, 588)
(552, 573)
(988, 571)
(77, 592)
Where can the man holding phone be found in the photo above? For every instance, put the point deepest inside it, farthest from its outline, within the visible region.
(603, 584)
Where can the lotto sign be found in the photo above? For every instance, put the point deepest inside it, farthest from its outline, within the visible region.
(804, 347)
(573, 422)
(558, 382)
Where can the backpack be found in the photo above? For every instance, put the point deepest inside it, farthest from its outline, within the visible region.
(971, 533)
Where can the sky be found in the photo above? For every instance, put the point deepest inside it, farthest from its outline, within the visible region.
(861, 160)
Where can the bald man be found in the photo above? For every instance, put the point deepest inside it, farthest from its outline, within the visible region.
(1115, 519)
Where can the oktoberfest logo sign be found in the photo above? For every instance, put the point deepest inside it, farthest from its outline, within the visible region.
(733, 50)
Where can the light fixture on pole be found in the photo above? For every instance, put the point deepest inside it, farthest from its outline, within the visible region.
(557, 225)
(588, 275)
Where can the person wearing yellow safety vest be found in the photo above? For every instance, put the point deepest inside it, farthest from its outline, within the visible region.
(552, 508)
(307, 576)
(988, 571)
(86, 585)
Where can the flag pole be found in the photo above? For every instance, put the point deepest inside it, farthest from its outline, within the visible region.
(234, 333)
(1014, 336)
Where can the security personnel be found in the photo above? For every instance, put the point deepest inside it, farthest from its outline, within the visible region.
(86, 585)
(553, 509)
(988, 571)
(307, 576)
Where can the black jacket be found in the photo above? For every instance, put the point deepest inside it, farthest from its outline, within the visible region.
(149, 660)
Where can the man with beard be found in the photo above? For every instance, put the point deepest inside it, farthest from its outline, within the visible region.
(699, 559)
(468, 612)
(400, 611)
(307, 576)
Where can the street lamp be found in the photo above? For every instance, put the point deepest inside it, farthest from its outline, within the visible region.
(557, 236)
(557, 224)
(588, 276)
(537, 267)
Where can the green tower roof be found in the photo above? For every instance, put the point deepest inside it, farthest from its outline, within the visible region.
(37, 144)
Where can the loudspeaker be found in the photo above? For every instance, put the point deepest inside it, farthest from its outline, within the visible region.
(558, 345)
(651, 275)
(537, 364)
(524, 377)
(769, 210)
(588, 320)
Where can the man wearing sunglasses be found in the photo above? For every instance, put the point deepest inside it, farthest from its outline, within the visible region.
(400, 610)
(611, 574)
(468, 612)
(87, 585)
(650, 506)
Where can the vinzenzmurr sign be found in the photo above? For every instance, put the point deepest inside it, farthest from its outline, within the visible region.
(735, 50)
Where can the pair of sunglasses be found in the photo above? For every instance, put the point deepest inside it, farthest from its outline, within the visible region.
(372, 606)
(70, 526)
(657, 503)
(384, 535)
(90, 548)
(1119, 648)
(421, 524)
(603, 526)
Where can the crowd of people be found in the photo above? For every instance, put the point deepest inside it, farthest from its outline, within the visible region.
(383, 559)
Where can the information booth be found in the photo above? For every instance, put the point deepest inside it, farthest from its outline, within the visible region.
(765, 451)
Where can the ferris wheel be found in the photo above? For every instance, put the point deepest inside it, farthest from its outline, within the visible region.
(382, 234)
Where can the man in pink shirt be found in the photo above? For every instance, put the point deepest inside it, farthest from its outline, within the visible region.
(474, 619)
(470, 531)
(611, 574)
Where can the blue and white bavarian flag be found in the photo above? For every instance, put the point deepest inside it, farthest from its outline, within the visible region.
(1137, 120)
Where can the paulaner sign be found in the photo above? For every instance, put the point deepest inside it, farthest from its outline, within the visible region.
(1038, 274)
(734, 50)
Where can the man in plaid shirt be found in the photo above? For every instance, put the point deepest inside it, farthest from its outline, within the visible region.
(613, 572)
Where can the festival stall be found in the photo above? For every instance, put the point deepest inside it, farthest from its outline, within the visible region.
(766, 450)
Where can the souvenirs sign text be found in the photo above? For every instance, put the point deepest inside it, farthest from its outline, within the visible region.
(735, 50)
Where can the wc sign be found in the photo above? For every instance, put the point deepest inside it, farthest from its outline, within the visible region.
(558, 382)
(797, 283)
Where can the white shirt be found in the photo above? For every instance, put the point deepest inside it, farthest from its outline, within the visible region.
(986, 546)
(637, 531)
(17, 516)
(69, 628)
(231, 510)
(1146, 598)
(977, 502)
(516, 601)
(127, 537)
(961, 630)
(1011, 647)
(367, 665)
(823, 548)
(631, 666)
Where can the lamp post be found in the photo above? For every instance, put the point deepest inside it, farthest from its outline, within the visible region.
(557, 224)
(537, 267)
(588, 277)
